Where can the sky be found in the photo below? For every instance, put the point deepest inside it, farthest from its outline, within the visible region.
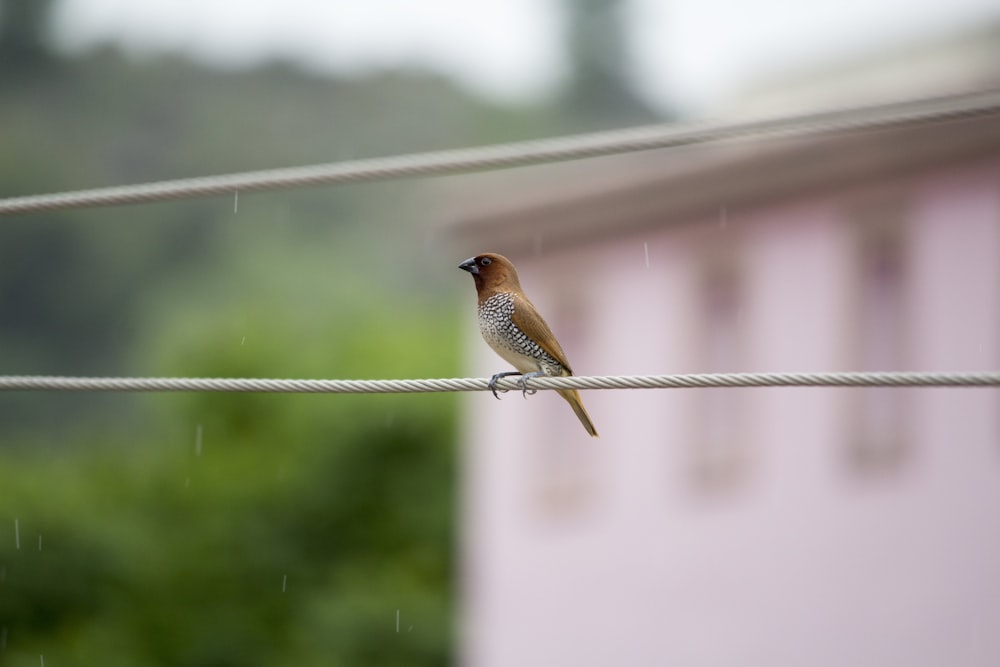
(687, 54)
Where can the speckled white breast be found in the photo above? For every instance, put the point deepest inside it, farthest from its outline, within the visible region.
(500, 333)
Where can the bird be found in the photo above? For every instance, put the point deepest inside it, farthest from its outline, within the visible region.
(510, 324)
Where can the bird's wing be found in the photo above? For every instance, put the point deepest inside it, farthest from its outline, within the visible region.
(527, 319)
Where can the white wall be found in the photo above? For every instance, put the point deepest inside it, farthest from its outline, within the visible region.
(611, 551)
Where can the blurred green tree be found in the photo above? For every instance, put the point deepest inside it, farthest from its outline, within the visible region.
(601, 91)
(299, 525)
(256, 530)
(23, 37)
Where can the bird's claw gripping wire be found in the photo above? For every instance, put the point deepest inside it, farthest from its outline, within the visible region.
(525, 391)
(523, 383)
(492, 384)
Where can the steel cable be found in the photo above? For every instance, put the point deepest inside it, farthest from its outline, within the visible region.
(441, 163)
(162, 384)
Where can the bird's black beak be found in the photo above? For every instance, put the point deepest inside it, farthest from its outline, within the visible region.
(470, 266)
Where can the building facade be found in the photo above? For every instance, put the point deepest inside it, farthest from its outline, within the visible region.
(777, 526)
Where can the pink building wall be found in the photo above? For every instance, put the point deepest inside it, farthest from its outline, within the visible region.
(752, 526)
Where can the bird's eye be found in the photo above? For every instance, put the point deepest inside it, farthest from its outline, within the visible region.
(485, 261)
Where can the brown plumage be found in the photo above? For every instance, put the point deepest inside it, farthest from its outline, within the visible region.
(511, 326)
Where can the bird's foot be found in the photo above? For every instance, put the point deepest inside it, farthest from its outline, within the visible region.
(524, 383)
(492, 385)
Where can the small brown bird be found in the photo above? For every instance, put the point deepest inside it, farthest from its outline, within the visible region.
(513, 328)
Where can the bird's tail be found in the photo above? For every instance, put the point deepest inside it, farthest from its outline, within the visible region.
(573, 398)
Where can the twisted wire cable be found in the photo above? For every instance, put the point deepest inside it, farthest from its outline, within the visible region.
(439, 163)
(163, 384)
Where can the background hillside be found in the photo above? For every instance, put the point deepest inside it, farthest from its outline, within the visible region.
(231, 529)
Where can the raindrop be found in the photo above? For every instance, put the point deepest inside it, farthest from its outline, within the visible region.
(187, 482)
(197, 440)
(243, 341)
(397, 620)
(42, 658)
(411, 629)
(17, 534)
(284, 582)
(236, 201)
(645, 250)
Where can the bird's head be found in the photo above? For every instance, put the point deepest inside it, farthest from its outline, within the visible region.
(491, 272)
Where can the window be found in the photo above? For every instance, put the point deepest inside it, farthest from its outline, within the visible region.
(878, 441)
(720, 450)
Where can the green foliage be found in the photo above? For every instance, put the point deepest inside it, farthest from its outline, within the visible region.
(268, 548)
(300, 525)
(243, 529)
(292, 532)
(228, 529)
(251, 529)
(75, 287)
(22, 37)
